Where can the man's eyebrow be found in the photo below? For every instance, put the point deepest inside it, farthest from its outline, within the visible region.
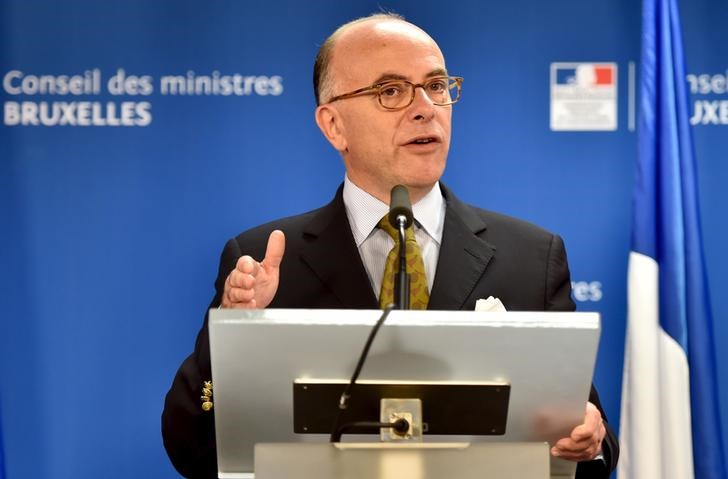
(385, 77)
(437, 72)
(389, 77)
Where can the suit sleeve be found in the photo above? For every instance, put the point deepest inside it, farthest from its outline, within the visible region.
(188, 431)
(558, 278)
(558, 298)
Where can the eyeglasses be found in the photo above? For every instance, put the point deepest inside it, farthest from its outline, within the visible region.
(398, 94)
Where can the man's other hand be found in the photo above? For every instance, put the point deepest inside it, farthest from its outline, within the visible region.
(585, 441)
(252, 284)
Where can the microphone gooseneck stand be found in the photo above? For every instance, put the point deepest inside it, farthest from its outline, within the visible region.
(400, 217)
(402, 278)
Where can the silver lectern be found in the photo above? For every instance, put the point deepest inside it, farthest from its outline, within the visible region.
(544, 360)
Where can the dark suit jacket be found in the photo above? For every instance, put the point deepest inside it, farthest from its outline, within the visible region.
(482, 254)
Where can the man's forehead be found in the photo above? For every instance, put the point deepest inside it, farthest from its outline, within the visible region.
(387, 39)
(376, 32)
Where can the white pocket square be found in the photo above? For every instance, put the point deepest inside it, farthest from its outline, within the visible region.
(492, 305)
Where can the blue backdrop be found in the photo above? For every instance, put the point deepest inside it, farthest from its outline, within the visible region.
(139, 136)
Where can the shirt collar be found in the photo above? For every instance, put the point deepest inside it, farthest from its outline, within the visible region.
(364, 212)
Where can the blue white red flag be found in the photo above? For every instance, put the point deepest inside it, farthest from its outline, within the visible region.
(670, 422)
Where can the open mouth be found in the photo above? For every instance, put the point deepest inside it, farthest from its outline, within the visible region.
(423, 141)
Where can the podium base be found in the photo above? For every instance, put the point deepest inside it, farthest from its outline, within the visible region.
(401, 461)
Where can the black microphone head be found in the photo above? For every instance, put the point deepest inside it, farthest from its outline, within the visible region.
(399, 205)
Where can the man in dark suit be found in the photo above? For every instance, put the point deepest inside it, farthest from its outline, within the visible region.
(384, 102)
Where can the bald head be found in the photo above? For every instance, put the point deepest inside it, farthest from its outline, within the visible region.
(348, 37)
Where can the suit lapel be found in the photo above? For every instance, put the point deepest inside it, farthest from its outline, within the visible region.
(330, 252)
(463, 256)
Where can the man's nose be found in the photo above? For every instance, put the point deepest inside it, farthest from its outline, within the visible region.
(422, 106)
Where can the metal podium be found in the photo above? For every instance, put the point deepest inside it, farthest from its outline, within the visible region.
(545, 358)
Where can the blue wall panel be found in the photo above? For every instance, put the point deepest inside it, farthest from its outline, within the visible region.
(111, 234)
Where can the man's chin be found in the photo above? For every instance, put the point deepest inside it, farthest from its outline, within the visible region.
(420, 185)
(424, 174)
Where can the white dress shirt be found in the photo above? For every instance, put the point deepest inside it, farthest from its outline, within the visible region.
(364, 212)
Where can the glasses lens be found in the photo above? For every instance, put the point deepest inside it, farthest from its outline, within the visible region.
(395, 94)
(443, 90)
(440, 90)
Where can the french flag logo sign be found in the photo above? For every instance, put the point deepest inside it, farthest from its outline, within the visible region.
(586, 75)
(583, 97)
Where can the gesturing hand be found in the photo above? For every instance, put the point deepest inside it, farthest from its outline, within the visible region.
(252, 284)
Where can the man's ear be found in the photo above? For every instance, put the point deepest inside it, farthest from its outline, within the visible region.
(329, 122)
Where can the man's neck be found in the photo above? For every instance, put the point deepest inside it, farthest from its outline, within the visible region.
(383, 195)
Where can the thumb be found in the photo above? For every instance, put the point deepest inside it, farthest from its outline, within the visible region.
(274, 250)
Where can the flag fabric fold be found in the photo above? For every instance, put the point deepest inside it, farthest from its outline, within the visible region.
(670, 421)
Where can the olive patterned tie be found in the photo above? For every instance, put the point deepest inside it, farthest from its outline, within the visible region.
(419, 295)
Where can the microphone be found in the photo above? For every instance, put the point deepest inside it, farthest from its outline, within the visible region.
(401, 218)
(400, 206)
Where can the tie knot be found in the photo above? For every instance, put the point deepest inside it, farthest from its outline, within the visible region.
(409, 233)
